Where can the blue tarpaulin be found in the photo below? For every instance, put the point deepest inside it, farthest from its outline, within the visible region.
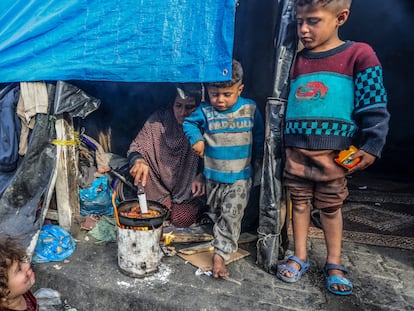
(114, 40)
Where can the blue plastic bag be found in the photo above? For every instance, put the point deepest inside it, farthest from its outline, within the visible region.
(54, 244)
(97, 199)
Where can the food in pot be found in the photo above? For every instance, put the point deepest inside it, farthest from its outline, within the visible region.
(135, 212)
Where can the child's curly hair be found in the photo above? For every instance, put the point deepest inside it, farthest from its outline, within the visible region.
(10, 252)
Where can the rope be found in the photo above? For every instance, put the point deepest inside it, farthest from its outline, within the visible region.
(67, 142)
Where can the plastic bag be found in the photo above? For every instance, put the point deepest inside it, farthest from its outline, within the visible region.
(97, 199)
(54, 244)
(105, 230)
(47, 299)
(50, 300)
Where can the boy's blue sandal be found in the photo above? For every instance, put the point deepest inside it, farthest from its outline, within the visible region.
(297, 274)
(334, 279)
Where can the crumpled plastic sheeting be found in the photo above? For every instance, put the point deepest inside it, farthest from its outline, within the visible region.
(272, 196)
(272, 231)
(105, 40)
(104, 230)
(97, 199)
(70, 98)
(54, 244)
(24, 200)
(48, 299)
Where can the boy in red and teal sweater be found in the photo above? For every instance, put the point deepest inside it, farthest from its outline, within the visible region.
(337, 98)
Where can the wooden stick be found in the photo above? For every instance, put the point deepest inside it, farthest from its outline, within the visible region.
(193, 237)
(232, 280)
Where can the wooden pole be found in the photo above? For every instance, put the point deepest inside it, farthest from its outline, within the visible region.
(67, 190)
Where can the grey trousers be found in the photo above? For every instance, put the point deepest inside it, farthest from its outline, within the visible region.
(227, 203)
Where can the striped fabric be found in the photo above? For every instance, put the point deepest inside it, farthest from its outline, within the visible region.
(230, 138)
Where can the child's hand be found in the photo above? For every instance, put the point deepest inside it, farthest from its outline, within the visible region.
(198, 148)
(366, 160)
(198, 186)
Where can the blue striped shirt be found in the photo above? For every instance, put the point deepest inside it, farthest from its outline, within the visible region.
(231, 138)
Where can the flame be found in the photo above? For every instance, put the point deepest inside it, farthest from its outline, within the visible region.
(167, 238)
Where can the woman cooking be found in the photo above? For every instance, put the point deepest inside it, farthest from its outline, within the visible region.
(161, 159)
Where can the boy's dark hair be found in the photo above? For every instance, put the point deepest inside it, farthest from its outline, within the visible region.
(338, 3)
(236, 76)
(190, 90)
(10, 252)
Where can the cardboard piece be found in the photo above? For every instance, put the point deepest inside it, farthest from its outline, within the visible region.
(204, 260)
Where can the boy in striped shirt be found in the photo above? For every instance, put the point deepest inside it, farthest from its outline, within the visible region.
(228, 132)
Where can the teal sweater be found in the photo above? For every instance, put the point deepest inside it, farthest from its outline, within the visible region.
(337, 98)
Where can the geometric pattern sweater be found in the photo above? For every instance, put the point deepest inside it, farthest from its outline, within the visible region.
(231, 139)
(336, 98)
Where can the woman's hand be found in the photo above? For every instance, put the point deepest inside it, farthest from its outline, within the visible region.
(366, 160)
(198, 186)
(140, 172)
(198, 148)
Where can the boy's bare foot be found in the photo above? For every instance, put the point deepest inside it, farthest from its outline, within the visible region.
(219, 267)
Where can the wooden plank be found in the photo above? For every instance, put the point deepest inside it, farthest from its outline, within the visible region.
(52, 214)
(194, 237)
(67, 197)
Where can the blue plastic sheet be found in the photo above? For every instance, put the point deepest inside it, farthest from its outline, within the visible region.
(97, 199)
(113, 40)
(54, 244)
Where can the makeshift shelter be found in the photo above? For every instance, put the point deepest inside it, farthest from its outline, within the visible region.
(88, 43)
(125, 54)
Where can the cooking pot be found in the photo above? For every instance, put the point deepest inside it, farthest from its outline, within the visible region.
(153, 222)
